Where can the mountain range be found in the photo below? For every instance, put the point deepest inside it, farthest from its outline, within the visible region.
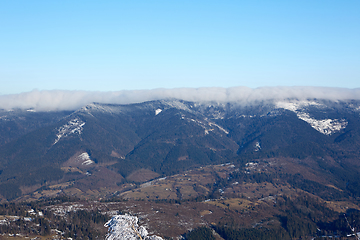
(104, 149)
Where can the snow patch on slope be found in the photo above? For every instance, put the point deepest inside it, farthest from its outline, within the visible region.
(257, 147)
(295, 105)
(207, 125)
(157, 111)
(176, 104)
(62, 210)
(126, 227)
(74, 126)
(85, 158)
(219, 127)
(324, 126)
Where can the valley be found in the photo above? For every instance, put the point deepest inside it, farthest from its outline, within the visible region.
(272, 170)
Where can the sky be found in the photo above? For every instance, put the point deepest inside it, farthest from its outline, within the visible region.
(138, 45)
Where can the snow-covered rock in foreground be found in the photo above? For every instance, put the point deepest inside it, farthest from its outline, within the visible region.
(125, 227)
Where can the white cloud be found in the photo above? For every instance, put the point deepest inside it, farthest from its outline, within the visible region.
(71, 100)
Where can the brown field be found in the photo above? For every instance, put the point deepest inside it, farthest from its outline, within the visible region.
(190, 184)
(142, 175)
(246, 204)
(238, 204)
(341, 206)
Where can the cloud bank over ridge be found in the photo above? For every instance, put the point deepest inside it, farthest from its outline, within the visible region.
(71, 100)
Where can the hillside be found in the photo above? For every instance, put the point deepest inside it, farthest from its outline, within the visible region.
(167, 137)
(276, 162)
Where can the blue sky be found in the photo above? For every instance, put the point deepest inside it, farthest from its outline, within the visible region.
(127, 45)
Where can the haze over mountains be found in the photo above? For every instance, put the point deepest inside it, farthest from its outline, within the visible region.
(72, 100)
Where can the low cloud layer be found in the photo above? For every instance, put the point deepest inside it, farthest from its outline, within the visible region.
(71, 100)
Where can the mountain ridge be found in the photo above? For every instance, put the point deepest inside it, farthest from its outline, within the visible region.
(170, 136)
